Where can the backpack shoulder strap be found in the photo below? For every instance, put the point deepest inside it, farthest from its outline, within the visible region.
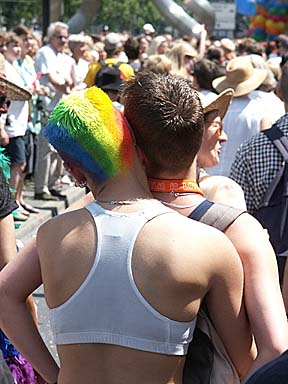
(103, 63)
(117, 65)
(216, 215)
(276, 136)
(200, 210)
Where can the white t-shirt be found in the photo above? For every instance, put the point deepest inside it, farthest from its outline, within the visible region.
(79, 72)
(17, 116)
(241, 122)
(49, 61)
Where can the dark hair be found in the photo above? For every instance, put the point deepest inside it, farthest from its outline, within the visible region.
(215, 54)
(250, 46)
(205, 71)
(166, 116)
(131, 48)
(284, 59)
(283, 82)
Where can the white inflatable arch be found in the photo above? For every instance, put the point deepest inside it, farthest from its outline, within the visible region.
(201, 10)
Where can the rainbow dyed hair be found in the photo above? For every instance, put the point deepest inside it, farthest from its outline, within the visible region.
(89, 131)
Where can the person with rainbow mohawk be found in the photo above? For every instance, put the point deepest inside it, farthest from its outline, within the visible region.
(90, 131)
(124, 276)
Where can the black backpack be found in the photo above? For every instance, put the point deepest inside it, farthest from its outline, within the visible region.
(272, 212)
(105, 68)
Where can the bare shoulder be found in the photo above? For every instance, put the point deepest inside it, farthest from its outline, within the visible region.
(188, 245)
(66, 247)
(248, 222)
(222, 189)
(248, 235)
(67, 228)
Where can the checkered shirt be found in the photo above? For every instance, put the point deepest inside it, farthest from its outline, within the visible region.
(256, 164)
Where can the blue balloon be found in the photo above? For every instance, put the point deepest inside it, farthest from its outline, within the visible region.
(246, 7)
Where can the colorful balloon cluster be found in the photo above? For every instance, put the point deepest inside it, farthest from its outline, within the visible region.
(271, 19)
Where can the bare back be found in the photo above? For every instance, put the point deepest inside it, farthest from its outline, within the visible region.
(175, 263)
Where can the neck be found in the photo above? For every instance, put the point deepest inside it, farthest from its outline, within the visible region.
(190, 173)
(175, 187)
(130, 185)
(183, 201)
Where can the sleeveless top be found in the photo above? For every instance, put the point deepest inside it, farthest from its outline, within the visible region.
(108, 307)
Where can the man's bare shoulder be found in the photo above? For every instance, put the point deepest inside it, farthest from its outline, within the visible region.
(185, 242)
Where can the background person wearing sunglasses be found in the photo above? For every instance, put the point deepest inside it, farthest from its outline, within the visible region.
(55, 69)
(220, 189)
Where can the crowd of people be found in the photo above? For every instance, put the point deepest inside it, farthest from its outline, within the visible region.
(166, 134)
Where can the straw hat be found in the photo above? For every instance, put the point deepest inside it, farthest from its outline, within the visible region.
(211, 101)
(11, 90)
(241, 76)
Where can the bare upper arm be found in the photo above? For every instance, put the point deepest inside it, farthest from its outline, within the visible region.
(7, 240)
(251, 241)
(23, 269)
(225, 301)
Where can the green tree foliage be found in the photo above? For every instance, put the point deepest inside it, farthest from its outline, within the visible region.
(19, 12)
(129, 15)
(119, 15)
(70, 8)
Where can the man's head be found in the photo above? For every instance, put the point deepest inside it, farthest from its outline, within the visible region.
(77, 45)
(205, 71)
(57, 35)
(113, 44)
(166, 116)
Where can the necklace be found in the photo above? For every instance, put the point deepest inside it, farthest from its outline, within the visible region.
(178, 206)
(178, 187)
(119, 202)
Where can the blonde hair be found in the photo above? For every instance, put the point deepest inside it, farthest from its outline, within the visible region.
(177, 54)
(158, 64)
(155, 44)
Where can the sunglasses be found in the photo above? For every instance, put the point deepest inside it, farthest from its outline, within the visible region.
(61, 37)
(218, 125)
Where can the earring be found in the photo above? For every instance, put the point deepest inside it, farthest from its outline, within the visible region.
(81, 184)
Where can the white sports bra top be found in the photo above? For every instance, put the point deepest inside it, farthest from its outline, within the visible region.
(108, 307)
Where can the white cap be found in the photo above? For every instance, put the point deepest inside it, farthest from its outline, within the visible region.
(148, 29)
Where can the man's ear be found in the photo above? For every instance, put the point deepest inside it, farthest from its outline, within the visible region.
(78, 175)
(75, 172)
